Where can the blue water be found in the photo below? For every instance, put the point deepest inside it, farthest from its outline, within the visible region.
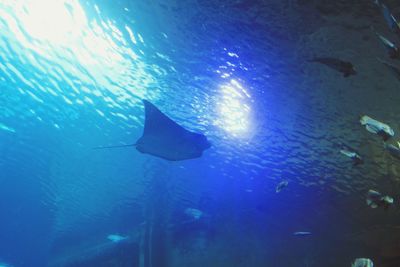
(72, 77)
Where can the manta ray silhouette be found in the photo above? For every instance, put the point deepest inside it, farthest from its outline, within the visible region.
(164, 138)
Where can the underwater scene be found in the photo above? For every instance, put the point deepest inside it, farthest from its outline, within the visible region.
(241, 133)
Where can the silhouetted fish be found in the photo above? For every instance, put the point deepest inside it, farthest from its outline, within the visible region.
(344, 67)
(393, 68)
(302, 233)
(393, 150)
(281, 186)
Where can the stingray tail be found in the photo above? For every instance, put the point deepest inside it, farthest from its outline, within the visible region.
(119, 146)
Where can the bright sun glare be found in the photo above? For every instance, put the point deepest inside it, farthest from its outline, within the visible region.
(234, 109)
(55, 21)
(59, 29)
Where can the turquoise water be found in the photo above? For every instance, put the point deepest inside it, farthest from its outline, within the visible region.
(73, 75)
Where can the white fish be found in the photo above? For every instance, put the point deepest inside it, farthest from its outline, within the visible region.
(362, 262)
(194, 213)
(357, 159)
(375, 200)
(386, 42)
(387, 199)
(347, 153)
(115, 238)
(302, 233)
(377, 127)
(373, 197)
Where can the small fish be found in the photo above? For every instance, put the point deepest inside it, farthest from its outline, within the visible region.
(362, 262)
(376, 199)
(116, 238)
(344, 67)
(390, 19)
(281, 186)
(393, 150)
(302, 233)
(194, 213)
(357, 160)
(392, 49)
(393, 68)
(377, 127)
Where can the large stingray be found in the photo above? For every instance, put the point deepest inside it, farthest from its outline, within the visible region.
(164, 138)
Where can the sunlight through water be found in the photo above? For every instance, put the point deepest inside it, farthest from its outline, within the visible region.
(234, 109)
(55, 21)
(97, 53)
